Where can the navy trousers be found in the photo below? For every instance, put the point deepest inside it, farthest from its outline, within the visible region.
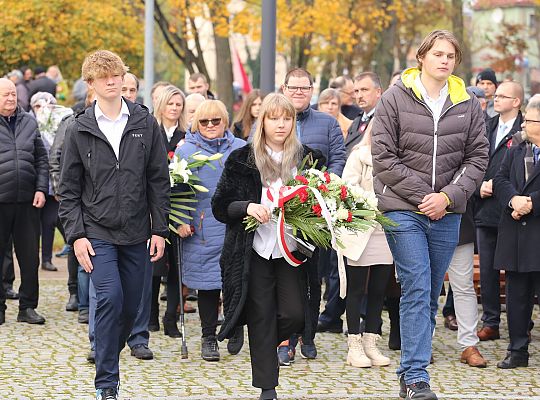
(117, 277)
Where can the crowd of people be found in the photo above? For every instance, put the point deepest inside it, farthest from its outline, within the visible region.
(456, 168)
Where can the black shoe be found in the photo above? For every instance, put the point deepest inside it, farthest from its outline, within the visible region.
(268, 394)
(142, 352)
(513, 361)
(91, 357)
(83, 316)
(107, 394)
(234, 345)
(153, 326)
(30, 316)
(402, 387)
(2, 317)
(192, 295)
(209, 349)
(11, 294)
(308, 350)
(48, 266)
(169, 326)
(73, 303)
(332, 328)
(420, 391)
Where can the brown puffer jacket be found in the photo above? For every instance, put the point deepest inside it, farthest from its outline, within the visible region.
(411, 160)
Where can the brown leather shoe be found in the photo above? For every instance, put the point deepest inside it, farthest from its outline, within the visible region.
(472, 356)
(450, 322)
(488, 333)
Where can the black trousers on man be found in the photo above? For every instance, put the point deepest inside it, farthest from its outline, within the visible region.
(489, 277)
(275, 310)
(21, 222)
(8, 269)
(520, 290)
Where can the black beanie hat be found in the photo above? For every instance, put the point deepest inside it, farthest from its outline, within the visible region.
(487, 75)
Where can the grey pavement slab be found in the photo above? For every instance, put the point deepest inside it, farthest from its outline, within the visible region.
(49, 361)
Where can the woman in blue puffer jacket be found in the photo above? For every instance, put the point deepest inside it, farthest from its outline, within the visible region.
(204, 235)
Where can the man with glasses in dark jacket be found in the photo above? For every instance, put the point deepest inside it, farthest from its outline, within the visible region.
(24, 180)
(114, 193)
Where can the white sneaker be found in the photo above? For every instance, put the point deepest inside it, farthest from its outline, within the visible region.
(356, 356)
(369, 342)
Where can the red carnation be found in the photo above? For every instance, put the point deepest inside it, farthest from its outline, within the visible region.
(327, 177)
(323, 188)
(343, 192)
(349, 217)
(317, 210)
(303, 195)
(170, 154)
(301, 179)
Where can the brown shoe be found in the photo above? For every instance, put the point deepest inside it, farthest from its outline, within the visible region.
(472, 356)
(488, 333)
(450, 322)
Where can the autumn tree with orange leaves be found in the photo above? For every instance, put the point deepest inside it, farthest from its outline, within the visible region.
(62, 32)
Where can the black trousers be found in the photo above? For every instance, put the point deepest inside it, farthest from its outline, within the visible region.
(49, 219)
(21, 222)
(208, 302)
(72, 264)
(448, 308)
(8, 270)
(372, 281)
(275, 310)
(314, 300)
(489, 277)
(520, 290)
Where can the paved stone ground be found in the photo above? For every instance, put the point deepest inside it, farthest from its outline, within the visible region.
(46, 362)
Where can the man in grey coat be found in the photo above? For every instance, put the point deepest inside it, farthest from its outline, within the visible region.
(429, 156)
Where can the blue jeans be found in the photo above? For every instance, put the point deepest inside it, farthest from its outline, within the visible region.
(83, 288)
(422, 251)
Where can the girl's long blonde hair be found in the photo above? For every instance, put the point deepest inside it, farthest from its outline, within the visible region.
(163, 99)
(276, 105)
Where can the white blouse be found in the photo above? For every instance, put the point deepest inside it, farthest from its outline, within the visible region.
(265, 240)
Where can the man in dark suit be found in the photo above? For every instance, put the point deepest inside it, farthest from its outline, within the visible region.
(367, 92)
(500, 129)
(517, 187)
(41, 83)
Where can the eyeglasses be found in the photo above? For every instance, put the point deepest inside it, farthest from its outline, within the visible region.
(303, 89)
(502, 97)
(530, 121)
(214, 121)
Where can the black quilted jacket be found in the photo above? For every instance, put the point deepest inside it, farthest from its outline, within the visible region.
(240, 184)
(24, 167)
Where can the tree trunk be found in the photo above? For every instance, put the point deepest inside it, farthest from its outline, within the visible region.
(464, 70)
(224, 72)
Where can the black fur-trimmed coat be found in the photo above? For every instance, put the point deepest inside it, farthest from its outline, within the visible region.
(240, 184)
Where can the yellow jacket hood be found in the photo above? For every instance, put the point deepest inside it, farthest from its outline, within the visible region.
(456, 86)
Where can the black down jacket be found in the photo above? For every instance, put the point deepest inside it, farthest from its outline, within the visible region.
(24, 167)
(122, 201)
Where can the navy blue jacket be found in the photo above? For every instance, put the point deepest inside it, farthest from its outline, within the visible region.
(321, 131)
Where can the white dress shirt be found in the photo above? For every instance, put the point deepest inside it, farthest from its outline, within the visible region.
(113, 129)
(435, 105)
(169, 132)
(503, 129)
(265, 240)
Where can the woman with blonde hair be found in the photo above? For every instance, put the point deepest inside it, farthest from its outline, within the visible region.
(169, 113)
(368, 273)
(260, 288)
(203, 235)
(329, 102)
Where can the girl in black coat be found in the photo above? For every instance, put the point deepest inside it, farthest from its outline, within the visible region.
(517, 186)
(259, 287)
